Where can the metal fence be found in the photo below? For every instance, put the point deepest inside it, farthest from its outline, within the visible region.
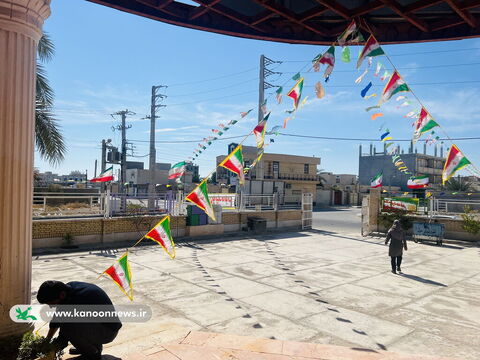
(452, 206)
(57, 205)
(49, 204)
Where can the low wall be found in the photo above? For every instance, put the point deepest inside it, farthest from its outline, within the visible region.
(51, 233)
(453, 228)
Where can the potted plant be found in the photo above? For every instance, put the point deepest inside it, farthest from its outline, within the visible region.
(36, 347)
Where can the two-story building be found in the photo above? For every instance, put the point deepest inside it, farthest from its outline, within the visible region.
(290, 175)
(372, 163)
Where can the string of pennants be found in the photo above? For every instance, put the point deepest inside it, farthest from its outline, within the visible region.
(217, 132)
(423, 123)
(395, 86)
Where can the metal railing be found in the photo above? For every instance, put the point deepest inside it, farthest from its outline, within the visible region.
(49, 204)
(452, 206)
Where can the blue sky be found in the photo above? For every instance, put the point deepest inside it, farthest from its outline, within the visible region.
(107, 61)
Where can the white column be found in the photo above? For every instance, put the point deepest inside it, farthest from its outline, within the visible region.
(20, 29)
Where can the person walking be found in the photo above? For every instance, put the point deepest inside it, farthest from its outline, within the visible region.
(396, 237)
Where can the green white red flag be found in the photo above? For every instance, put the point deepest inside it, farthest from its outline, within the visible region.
(234, 163)
(418, 182)
(177, 170)
(296, 92)
(455, 162)
(372, 48)
(106, 175)
(348, 35)
(328, 58)
(259, 131)
(199, 196)
(423, 124)
(121, 275)
(395, 85)
(162, 235)
(377, 181)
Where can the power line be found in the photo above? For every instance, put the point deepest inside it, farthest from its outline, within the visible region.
(419, 84)
(186, 141)
(405, 54)
(216, 89)
(403, 68)
(211, 99)
(366, 139)
(214, 78)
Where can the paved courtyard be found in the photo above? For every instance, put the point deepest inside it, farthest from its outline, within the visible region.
(314, 286)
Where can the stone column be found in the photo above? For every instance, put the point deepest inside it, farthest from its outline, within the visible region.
(20, 29)
(374, 209)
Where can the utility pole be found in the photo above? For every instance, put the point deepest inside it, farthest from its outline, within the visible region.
(153, 155)
(123, 163)
(263, 85)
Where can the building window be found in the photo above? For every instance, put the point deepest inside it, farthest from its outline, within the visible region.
(276, 168)
(306, 169)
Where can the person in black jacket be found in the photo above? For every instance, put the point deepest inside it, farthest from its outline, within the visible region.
(396, 236)
(86, 337)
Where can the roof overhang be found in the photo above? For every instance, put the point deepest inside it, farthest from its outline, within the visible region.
(315, 21)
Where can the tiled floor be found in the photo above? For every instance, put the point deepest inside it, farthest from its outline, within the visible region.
(325, 289)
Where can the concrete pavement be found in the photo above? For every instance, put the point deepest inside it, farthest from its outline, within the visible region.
(316, 286)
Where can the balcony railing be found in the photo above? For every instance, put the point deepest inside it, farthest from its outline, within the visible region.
(299, 177)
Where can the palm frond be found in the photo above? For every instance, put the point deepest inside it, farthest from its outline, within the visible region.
(45, 48)
(48, 137)
(44, 92)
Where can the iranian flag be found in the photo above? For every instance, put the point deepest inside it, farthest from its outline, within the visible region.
(418, 182)
(199, 196)
(259, 132)
(234, 163)
(349, 32)
(296, 92)
(106, 175)
(377, 181)
(177, 170)
(161, 234)
(121, 275)
(328, 58)
(394, 86)
(423, 124)
(455, 161)
(372, 48)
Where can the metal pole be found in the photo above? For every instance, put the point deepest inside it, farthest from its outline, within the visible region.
(103, 163)
(153, 153)
(123, 163)
(261, 99)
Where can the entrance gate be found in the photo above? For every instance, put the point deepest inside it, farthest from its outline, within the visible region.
(307, 209)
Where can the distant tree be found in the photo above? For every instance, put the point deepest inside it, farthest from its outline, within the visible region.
(48, 137)
(321, 179)
(456, 184)
(213, 178)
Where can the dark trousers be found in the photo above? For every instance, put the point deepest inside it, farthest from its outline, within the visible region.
(87, 338)
(396, 262)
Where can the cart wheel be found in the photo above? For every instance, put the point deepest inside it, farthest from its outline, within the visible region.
(415, 240)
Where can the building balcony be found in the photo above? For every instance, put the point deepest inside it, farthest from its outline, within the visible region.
(297, 177)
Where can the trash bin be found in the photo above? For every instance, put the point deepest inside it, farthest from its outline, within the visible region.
(257, 224)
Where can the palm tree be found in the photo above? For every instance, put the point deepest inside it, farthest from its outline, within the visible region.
(48, 138)
(458, 185)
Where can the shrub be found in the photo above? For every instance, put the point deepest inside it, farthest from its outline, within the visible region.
(387, 219)
(35, 346)
(470, 224)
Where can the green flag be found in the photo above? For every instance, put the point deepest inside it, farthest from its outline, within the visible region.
(346, 54)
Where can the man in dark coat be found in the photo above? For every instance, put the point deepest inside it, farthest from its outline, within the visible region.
(396, 236)
(87, 338)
